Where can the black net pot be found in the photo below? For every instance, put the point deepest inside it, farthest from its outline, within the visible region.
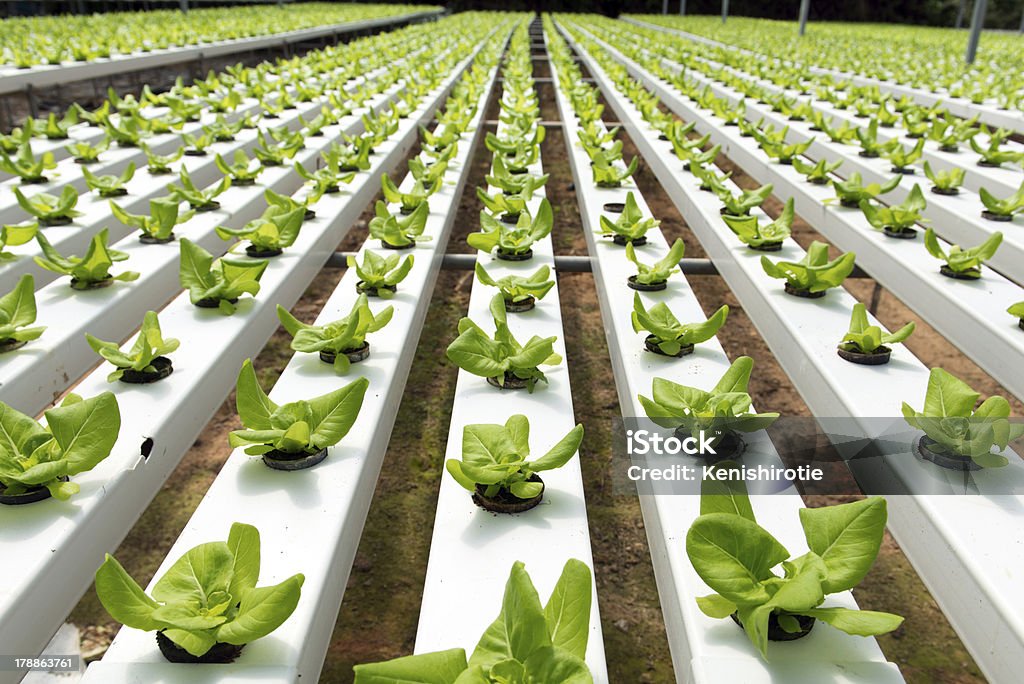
(505, 502)
(261, 253)
(970, 274)
(370, 291)
(509, 382)
(388, 245)
(10, 344)
(212, 205)
(150, 240)
(513, 256)
(646, 287)
(354, 355)
(622, 240)
(163, 368)
(923, 449)
(32, 495)
(949, 192)
(1001, 218)
(77, 284)
(614, 207)
(804, 294)
(521, 306)
(280, 460)
(220, 653)
(211, 303)
(651, 345)
(905, 234)
(879, 357)
(767, 247)
(775, 631)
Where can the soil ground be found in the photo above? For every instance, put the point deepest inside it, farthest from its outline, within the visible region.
(378, 616)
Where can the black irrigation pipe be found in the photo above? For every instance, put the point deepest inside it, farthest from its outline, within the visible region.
(564, 263)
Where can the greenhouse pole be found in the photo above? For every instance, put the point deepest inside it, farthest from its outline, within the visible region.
(977, 22)
(960, 14)
(805, 9)
(664, 6)
(682, 12)
(725, 10)
(183, 4)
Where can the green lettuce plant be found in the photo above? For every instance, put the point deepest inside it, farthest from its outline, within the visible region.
(765, 237)
(512, 183)
(513, 240)
(898, 218)
(852, 191)
(667, 334)
(87, 272)
(864, 338)
(398, 231)
(160, 164)
(659, 272)
(78, 435)
(607, 174)
(217, 283)
(379, 276)
(242, 170)
(198, 199)
(270, 234)
(87, 153)
(1018, 311)
(717, 414)
(148, 347)
(814, 273)
(631, 226)
(993, 155)
(494, 458)
(502, 359)
(207, 597)
(408, 201)
(818, 173)
(17, 310)
(954, 427)
(158, 225)
(741, 204)
(964, 264)
(57, 129)
(109, 185)
(327, 179)
(16, 234)
(1002, 209)
(339, 338)
(297, 428)
(528, 642)
(903, 159)
(26, 166)
(48, 209)
(945, 182)
(736, 558)
(517, 289)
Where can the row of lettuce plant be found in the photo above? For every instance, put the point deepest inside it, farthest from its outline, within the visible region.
(211, 618)
(896, 221)
(760, 605)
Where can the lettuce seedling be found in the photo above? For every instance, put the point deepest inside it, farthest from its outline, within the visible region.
(718, 413)
(513, 241)
(818, 173)
(379, 276)
(57, 129)
(631, 226)
(902, 158)
(398, 231)
(270, 234)
(149, 346)
(16, 234)
(710, 180)
(852, 191)
(898, 218)
(993, 156)
(864, 338)
(408, 201)
(1018, 311)
(946, 182)
(963, 264)
(607, 175)
(667, 334)
(50, 210)
(160, 164)
(158, 226)
(297, 428)
(129, 131)
(109, 185)
(998, 209)
(518, 289)
(208, 597)
(242, 171)
(954, 427)
(17, 310)
(513, 183)
(659, 272)
(276, 154)
(87, 272)
(197, 145)
(25, 166)
(340, 338)
(494, 464)
(86, 153)
(78, 435)
(814, 273)
(217, 284)
(735, 557)
(741, 204)
(502, 359)
(528, 642)
(199, 200)
(784, 152)
(428, 174)
(767, 237)
(326, 180)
